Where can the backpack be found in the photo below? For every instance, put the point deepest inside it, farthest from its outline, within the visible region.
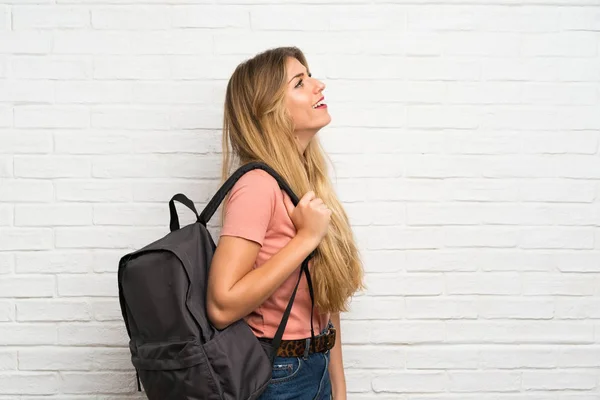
(177, 353)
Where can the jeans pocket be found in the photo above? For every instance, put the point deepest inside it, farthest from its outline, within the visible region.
(285, 369)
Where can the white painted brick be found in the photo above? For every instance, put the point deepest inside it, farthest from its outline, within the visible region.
(107, 310)
(92, 142)
(184, 41)
(54, 262)
(564, 44)
(376, 357)
(478, 44)
(26, 286)
(7, 313)
(488, 283)
(410, 382)
(577, 308)
(174, 93)
(156, 166)
(438, 357)
(51, 117)
(282, 18)
(87, 285)
(487, 381)
(25, 141)
(5, 19)
(203, 142)
(555, 190)
(518, 356)
(191, 67)
(538, 332)
(483, 93)
(92, 92)
(538, 284)
(6, 116)
(502, 308)
(8, 360)
(81, 334)
(149, 17)
(91, 42)
(7, 263)
(580, 18)
(125, 118)
(367, 18)
(388, 238)
(559, 93)
(35, 91)
(41, 311)
(579, 356)
(52, 167)
(359, 381)
(29, 383)
(53, 215)
(131, 215)
(48, 17)
(26, 42)
(28, 334)
(481, 190)
(128, 67)
(559, 380)
(406, 284)
(443, 167)
(6, 215)
(496, 237)
(210, 17)
(93, 190)
(374, 213)
(384, 260)
(441, 308)
(394, 332)
(557, 238)
(26, 239)
(361, 308)
(51, 67)
(578, 262)
(74, 359)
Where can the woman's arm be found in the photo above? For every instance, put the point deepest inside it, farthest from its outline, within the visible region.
(235, 289)
(336, 364)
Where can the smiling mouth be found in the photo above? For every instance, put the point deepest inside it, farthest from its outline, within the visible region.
(320, 104)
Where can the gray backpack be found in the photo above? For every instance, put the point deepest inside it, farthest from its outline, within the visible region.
(177, 353)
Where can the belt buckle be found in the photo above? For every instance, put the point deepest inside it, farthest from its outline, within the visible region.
(306, 349)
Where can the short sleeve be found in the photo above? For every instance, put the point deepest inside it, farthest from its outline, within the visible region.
(250, 207)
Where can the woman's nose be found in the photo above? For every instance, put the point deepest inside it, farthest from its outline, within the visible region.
(320, 86)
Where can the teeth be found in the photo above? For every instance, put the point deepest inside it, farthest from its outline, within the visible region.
(318, 104)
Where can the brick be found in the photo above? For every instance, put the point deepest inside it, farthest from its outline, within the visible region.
(6, 215)
(104, 237)
(393, 332)
(49, 17)
(125, 118)
(51, 117)
(373, 357)
(26, 239)
(410, 382)
(52, 167)
(578, 356)
(210, 17)
(8, 360)
(54, 262)
(28, 334)
(440, 308)
(98, 382)
(361, 308)
(518, 356)
(7, 313)
(488, 283)
(501, 308)
(28, 383)
(156, 166)
(92, 285)
(91, 42)
(51, 67)
(442, 357)
(93, 190)
(27, 286)
(82, 334)
(24, 91)
(406, 284)
(7, 263)
(74, 92)
(537, 284)
(59, 311)
(149, 17)
(6, 116)
(557, 238)
(129, 67)
(107, 310)
(559, 380)
(487, 381)
(26, 42)
(131, 215)
(488, 236)
(25, 141)
(74, 359)
(53, 215)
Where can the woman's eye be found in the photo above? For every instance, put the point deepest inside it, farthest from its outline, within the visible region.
(300, 83)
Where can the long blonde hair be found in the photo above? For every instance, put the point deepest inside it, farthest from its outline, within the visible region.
(258, 128)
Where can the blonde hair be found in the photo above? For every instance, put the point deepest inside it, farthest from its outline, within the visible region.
(258, 127)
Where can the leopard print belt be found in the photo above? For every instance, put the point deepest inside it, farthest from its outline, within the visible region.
(298, 348)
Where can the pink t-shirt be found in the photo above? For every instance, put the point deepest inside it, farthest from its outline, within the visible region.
(256, 211)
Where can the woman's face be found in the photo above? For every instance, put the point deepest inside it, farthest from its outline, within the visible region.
(302, 97)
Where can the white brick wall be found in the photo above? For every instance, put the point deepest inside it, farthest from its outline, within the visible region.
(465, 138)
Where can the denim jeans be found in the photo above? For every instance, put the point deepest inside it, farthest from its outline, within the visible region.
(299, 378)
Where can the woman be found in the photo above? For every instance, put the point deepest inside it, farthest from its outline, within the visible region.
(273, 110)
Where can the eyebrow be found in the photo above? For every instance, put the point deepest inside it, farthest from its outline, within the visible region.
(296, 76)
